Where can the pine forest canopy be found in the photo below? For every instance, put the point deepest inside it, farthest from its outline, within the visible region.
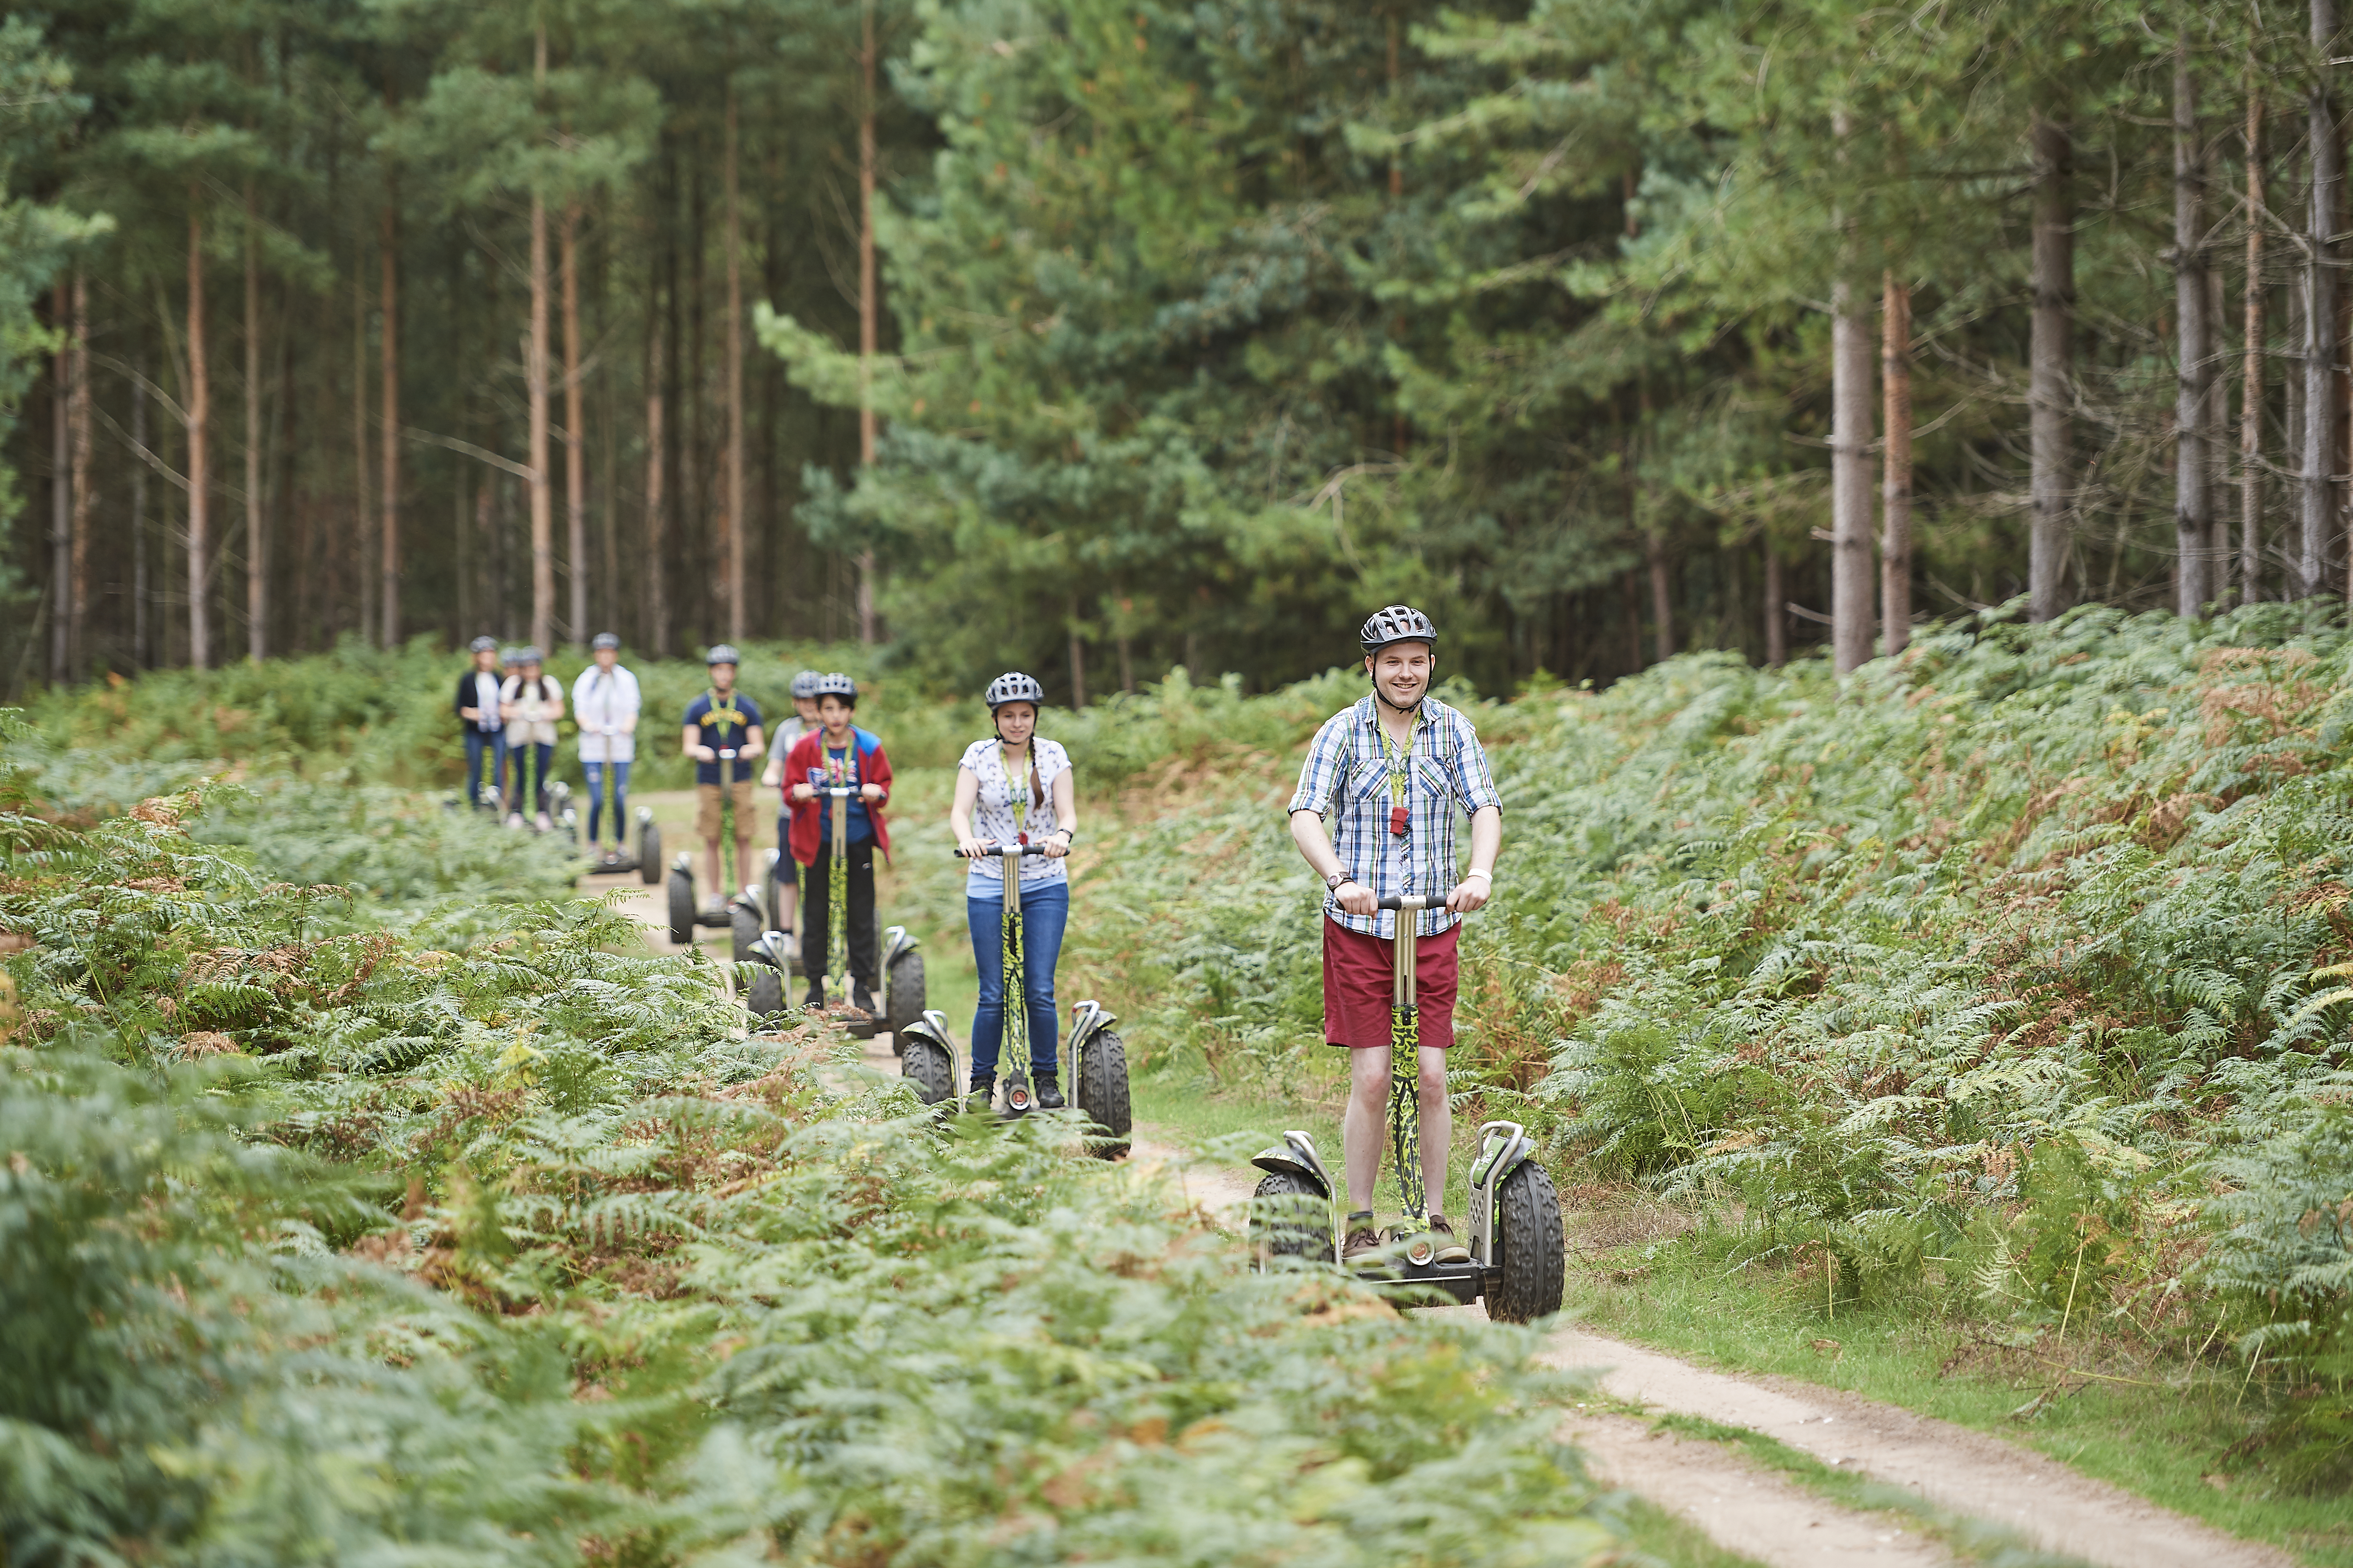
(1101, 337)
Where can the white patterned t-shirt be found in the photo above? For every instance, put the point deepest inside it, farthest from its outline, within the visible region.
(992, 814)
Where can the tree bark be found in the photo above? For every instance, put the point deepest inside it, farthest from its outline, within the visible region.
(2050, 361)
(388, 536)
(2315, 512)
(363, 504)
(2251, 362)
(257, 578)
(732, 518)
(1895, 476)
(60, 486)
(575, 451)
(200, 420)
(2193, 502)
(142, 654)
(1850, 435)
(543, 512)
(1776, 610)
(657, 600)
(867, 336)
(84, 494)
(1663, 596)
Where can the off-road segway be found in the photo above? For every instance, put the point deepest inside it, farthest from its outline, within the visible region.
(645, 859)
(927, 1057)
(902, 980)
(1098, 1056)
(1515, 1229)
(683, 915)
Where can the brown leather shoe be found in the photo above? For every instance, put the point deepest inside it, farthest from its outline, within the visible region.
(1448, 1249)
(1363, 1241)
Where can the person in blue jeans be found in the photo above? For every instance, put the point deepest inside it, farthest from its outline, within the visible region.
(1015, 785)
(478, 709)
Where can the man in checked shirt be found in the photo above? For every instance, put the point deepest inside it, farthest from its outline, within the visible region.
(1396, 767)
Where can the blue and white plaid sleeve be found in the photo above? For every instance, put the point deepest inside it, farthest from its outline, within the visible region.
(1475, 782)
(1320, 779)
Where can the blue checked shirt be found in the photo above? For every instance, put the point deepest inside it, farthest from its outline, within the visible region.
(1445, 780)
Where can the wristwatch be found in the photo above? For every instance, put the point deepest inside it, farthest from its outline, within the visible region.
(1332, 883)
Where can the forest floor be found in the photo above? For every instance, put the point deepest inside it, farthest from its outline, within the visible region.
(1771, 1469)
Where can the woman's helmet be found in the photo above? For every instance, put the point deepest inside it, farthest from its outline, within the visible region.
(1014, 686)
(483, 645)
(605, 639)
(528, 655)
(1397, 623)
(724, 653)
(805, 684)
(837, 685)
(509, 657)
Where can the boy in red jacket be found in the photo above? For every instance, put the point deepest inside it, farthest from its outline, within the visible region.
(837, 753)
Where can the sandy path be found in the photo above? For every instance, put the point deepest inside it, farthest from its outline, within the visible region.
(1958, 1470)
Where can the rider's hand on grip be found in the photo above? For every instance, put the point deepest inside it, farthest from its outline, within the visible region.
(1357, 899)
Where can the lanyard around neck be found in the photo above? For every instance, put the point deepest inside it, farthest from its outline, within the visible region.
(1399, 762)
(1020, 796)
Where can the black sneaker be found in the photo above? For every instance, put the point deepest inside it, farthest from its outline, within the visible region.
(815, 1000)
(983, 1096)
(1050, 1093)
(863, 999)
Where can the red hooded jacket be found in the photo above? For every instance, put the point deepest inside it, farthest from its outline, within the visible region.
(808, 754)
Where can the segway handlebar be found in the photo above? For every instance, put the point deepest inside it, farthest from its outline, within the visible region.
(1412, 905)
(996, 849)
(836, 791)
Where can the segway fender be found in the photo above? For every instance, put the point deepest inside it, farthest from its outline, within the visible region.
(896, 945)
(1295, 1155)
(1503, 1147)
(1088, 1019)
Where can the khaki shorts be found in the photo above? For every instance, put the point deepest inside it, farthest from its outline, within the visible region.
(706, 811)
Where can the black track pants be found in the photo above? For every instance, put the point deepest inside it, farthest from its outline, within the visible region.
(817, 906)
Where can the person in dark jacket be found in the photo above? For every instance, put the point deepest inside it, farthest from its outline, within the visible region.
(477, 709)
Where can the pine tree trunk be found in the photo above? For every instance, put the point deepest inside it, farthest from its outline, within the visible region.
(388, 536)
(656, 531)
(575, 451)
(543, 513)
(1895, 477)
(142, 654)
(2193, 505)
(200, 420)
(60, 487)
(1852, 598)
(1663, 596)
(2048, 364)
(868, 337)
(1776, 610)
(2250, 363)
(2315, 519)
(84, 493)
(256, 581)
(362, 505)
(733, 516)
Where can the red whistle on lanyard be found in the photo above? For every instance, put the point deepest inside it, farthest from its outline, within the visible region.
(1397, 820)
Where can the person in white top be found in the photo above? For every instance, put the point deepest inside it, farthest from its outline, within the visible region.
(533, 703)
(1015, 785)
(788, 870)
(605, 701)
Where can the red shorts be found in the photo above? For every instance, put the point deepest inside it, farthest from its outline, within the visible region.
(1359, 981)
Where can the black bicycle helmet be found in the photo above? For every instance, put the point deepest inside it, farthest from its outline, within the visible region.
(605, 639)
(724, 653)
(805, 684)
(1397, 623)
(1014, 686)
(837, 685)
(483, 645)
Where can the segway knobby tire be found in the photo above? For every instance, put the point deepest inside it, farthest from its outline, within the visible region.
(1102, 1094)
(681, 908)
(1289, 1218)
(766, 994)
(1528, 1246)
(924, 1065)
(649, 865)
(744, 927)
(902, 993)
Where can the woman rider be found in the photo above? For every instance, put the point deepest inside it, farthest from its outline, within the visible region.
(1015, 785)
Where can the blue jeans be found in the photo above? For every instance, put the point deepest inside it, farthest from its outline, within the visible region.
(477, 743)
(595, 772)
(1045, 910)
(535, 758)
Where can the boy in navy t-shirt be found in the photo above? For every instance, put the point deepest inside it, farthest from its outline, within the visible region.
(723, 720)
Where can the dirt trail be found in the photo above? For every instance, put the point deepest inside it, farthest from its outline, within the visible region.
(1741, 1505)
